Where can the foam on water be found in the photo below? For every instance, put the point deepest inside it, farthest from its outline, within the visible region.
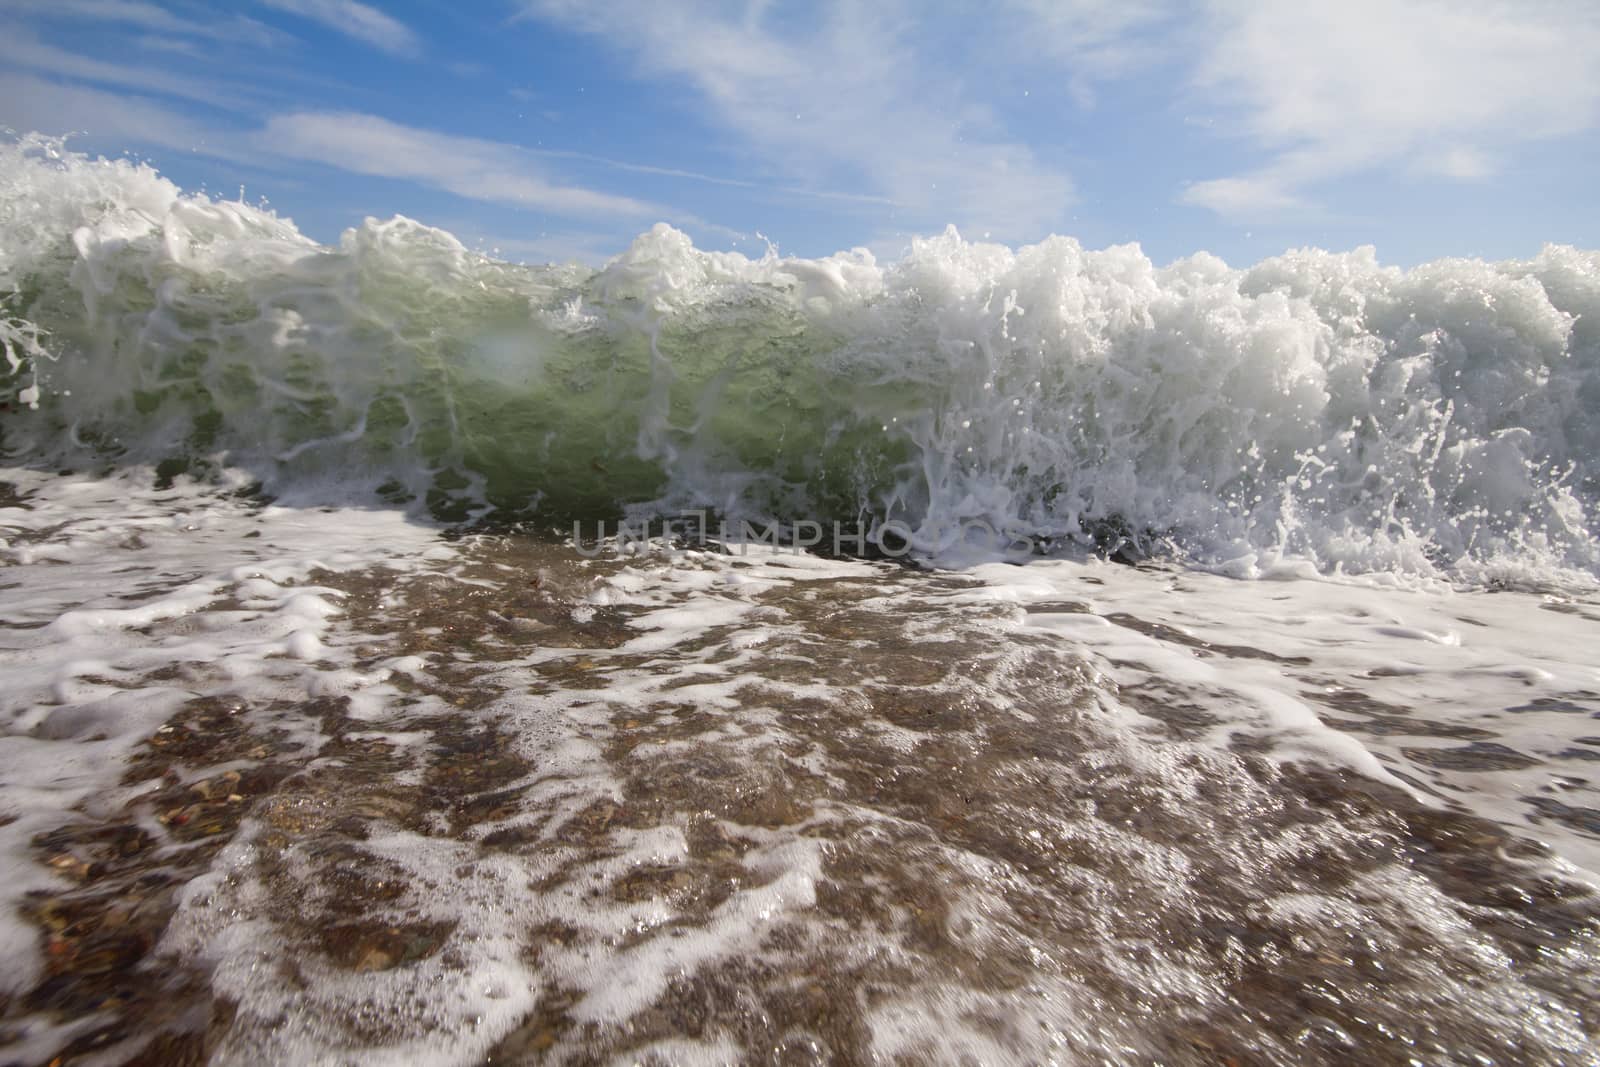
(1483, 700)
(686, 806)
(122, 606)
(1316, 407)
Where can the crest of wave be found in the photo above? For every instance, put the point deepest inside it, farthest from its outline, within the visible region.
(1316, 410)
(1316, 405)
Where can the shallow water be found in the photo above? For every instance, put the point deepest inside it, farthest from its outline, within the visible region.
(313, 785)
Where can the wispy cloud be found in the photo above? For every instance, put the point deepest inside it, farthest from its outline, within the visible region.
(154, 19)
(838, 92)
(22, 50)
(1264, 197)
(357, 20)
(1434, 87)
(172, 46)
(31, 103)
(1088, 41)
(713, 179)
(479, 170)
(466, 166)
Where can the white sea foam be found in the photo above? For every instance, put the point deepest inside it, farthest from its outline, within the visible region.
(106, 582)
(1504, 663)
(1316, 410)
(1089, 643)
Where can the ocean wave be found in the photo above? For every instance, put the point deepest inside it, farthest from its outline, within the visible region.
(1316, 406)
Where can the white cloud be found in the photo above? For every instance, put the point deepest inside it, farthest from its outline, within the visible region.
(357, 20)
(841, 94)
(766, 188)
(30, 103)
(175, 46)
(1464, 163)
(364, 144)
(1441, 87)
(20, 49)
(468, 167)
(1090, 41)
(1255, 197)
(153, 19)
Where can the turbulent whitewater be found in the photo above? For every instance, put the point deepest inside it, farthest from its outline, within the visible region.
(1314, 406)
(1233, 701)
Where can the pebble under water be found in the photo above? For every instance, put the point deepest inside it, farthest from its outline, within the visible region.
(285, 785)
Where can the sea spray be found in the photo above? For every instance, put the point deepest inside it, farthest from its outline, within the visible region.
(1317, 406)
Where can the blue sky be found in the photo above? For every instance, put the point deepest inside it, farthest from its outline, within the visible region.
(555, 129)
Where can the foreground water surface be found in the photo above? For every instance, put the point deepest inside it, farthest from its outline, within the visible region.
(325, 785)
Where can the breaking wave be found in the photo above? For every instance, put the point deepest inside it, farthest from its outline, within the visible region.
(1316, 407)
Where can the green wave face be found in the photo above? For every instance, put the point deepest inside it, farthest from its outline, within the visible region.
(1317, 405)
